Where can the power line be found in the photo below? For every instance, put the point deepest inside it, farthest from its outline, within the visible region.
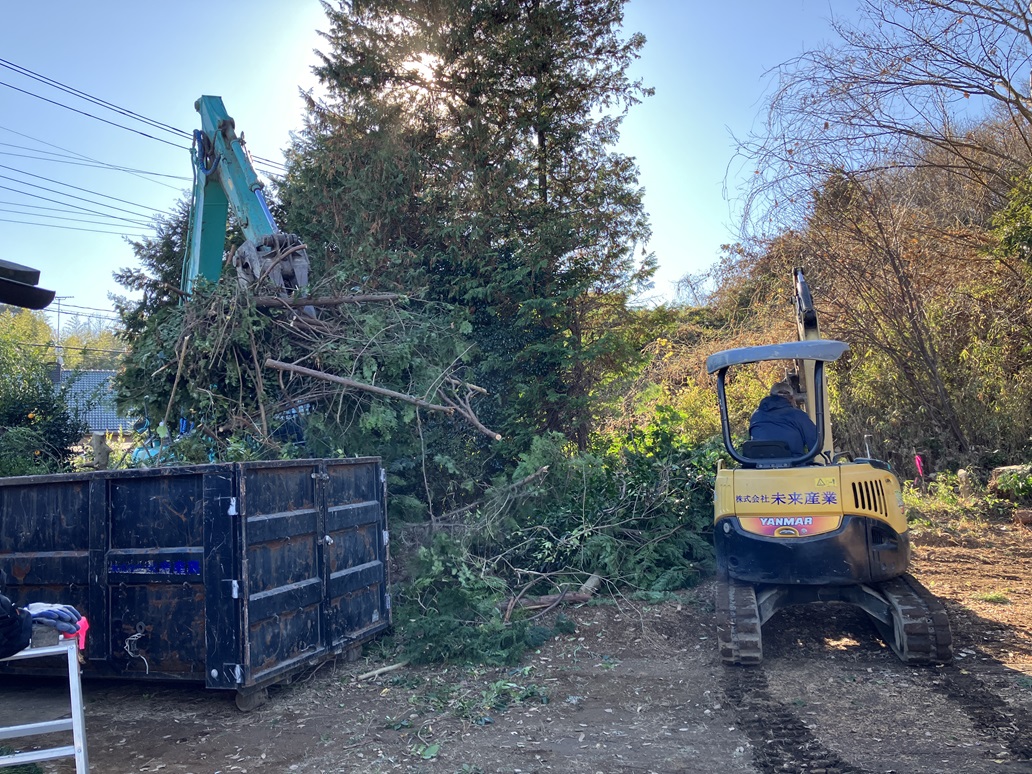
(76, 210)
(72, 228)
(72, 311)
(88, 308)
(73, 348)
(94, 165)
(270, 162)
(81, 155)
(109, 106)
(37, 150)
(66, 219)
(101, 325)
(77, 188)
(90, 98)
(69, 204)
(90, 115)
(71, 196)
(275, 165)
(104, 314)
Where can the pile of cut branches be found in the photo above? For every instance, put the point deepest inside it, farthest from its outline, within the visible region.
(255, 375)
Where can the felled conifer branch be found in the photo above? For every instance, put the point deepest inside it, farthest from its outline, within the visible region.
(456, 406)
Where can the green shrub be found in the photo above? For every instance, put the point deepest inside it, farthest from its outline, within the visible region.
(1016, 486)
(38, 428)
(638, 514)
(453, 611)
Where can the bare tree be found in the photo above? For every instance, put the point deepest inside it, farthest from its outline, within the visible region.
(909, 85)
(882, 162)
(878, 263)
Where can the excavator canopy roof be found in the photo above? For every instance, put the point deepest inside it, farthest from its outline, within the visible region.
(818, 349)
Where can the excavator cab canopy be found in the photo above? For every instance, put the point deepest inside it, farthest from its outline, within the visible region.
(823, 350)
(771, 454)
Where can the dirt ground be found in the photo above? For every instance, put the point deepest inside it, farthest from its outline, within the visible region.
(637, 688)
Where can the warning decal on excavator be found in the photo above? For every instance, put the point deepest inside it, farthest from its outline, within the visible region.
(824, 481)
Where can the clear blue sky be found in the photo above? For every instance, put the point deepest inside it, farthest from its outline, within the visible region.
(706, 61)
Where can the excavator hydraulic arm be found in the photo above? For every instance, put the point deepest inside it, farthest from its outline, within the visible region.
(809, 330)
(224, 178)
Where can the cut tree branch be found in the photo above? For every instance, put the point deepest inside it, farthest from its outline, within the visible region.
(464, 411)
(273, 301)
(514, 486)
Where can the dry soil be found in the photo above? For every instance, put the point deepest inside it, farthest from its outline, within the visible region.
(637, 688)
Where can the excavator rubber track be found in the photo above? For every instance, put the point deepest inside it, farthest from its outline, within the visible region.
(738, 623)
(920, 631)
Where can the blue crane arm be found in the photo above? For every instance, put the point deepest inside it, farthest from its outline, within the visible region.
(223, 177)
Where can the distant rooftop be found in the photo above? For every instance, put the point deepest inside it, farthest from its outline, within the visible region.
(97, 387)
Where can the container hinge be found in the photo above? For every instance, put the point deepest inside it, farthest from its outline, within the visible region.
(386, 538)
(232, 510)
(321, 476)
(383, 476)
(236, 672)
(234, 588)
(386, 601)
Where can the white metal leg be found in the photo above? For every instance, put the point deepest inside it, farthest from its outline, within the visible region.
(76, 724)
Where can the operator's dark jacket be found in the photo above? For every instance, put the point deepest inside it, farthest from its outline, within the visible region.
(15, 628)
(776, 419)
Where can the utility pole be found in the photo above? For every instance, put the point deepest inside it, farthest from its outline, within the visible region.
(60, 353)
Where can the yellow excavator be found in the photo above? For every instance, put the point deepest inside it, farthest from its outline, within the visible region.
(819, 526)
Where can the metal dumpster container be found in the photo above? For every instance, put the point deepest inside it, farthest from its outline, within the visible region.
(237, 575)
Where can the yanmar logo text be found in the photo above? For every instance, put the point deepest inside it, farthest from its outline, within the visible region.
(787, 521)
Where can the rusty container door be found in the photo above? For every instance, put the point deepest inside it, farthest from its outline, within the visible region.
(150, 586)
(126, 548)
(358, 604)
(312, 576)
(45, 538)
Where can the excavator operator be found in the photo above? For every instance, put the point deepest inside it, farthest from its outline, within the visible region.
(778, 419)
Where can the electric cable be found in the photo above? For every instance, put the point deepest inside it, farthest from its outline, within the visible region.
(107, 315)
(270, 162)
(66, 219)
(72, 347)
(88, 308)
(90, 98)
(76, 188)
(74, 206)
(108, 105)
(40, 207)
(102, 325)
(73, 228)
(80, 155)
(73, 196)
(90, 115)
(94, 165)
(275, 166)
(35, 150)
(80, 210)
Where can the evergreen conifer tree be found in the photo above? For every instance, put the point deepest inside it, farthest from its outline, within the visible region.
(466, 147)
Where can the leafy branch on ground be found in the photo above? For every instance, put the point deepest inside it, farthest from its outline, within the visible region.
(636, 516)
